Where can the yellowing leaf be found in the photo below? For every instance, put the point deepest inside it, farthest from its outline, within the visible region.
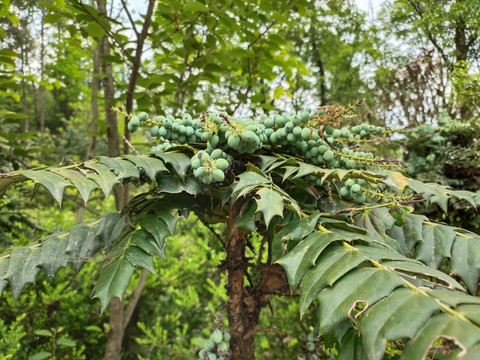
(278, 92)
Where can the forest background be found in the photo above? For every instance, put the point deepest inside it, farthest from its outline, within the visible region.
(65, 64)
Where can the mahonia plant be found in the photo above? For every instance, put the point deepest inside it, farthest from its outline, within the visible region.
(303, 205)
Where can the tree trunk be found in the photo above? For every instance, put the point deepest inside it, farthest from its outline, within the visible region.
(321, 72)
(242, 310)
(113, 349)
(461, 52)
(92, 127)
(42, 71)
(24, 89)
(119, 317)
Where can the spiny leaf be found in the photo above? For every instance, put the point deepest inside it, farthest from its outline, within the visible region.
(123, 169)
(84, 185)
(364, 286)
(400, 315)
(138, 257)
(179, 161)
(104, 177)
(465, 335)
(22, 272)
(54, 183)
(165, 211)
(56, 251)
(149, 165)
(376, 222)
(175, 185)
(158, 229)
(247, 182)
(113, 281)
(292, 233)
(270, 204)
(302, 257)
(440, 195)
(435, 242)
(146, 241)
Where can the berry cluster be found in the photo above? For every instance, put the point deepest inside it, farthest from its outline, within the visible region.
(311, 348)
(315, 136)
(210, 166)
(216, 347)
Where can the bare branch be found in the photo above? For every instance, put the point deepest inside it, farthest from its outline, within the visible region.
(134, 299)
(129, 15)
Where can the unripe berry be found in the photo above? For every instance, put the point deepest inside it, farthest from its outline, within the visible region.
(217, 336)
(207, 179)
(328, 155)
(233, 141)
(349, 183)
(143, 116)
(310, 346)
(209, 344)
(344, 192)
(226, 337)
(218, 175)
(222, 164)
(216, 154)
(222, 347)
(356, 188)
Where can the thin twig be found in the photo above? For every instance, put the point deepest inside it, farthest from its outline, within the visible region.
(108, 32)
(82, 204)
(134, 299)
(212, 230)
(130, 145)
(125, 7)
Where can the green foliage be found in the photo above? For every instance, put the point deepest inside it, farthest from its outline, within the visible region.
(326, 258)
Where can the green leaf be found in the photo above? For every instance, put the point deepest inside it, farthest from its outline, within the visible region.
(23, 271)
(278, 92)
(466, 260)
(465, 335)
(138, 257)
(302, 257)
(40, 356)
(180, 162)
(56, 251)
(364, 285)
(105, 178)
(43, 332)
(113, 281)
(175, 185)
(335, 263)
(149, 165)
(95, 30)
(401, 315)
(84, 185)
(122, 168)
(377, 222)
(146, 241)
(246, 218)
(66, 342)
(270, 204)
(293, 233)
(433, 243)
(158, 229)
(248, 181)
(195, 6)
(54, 183)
